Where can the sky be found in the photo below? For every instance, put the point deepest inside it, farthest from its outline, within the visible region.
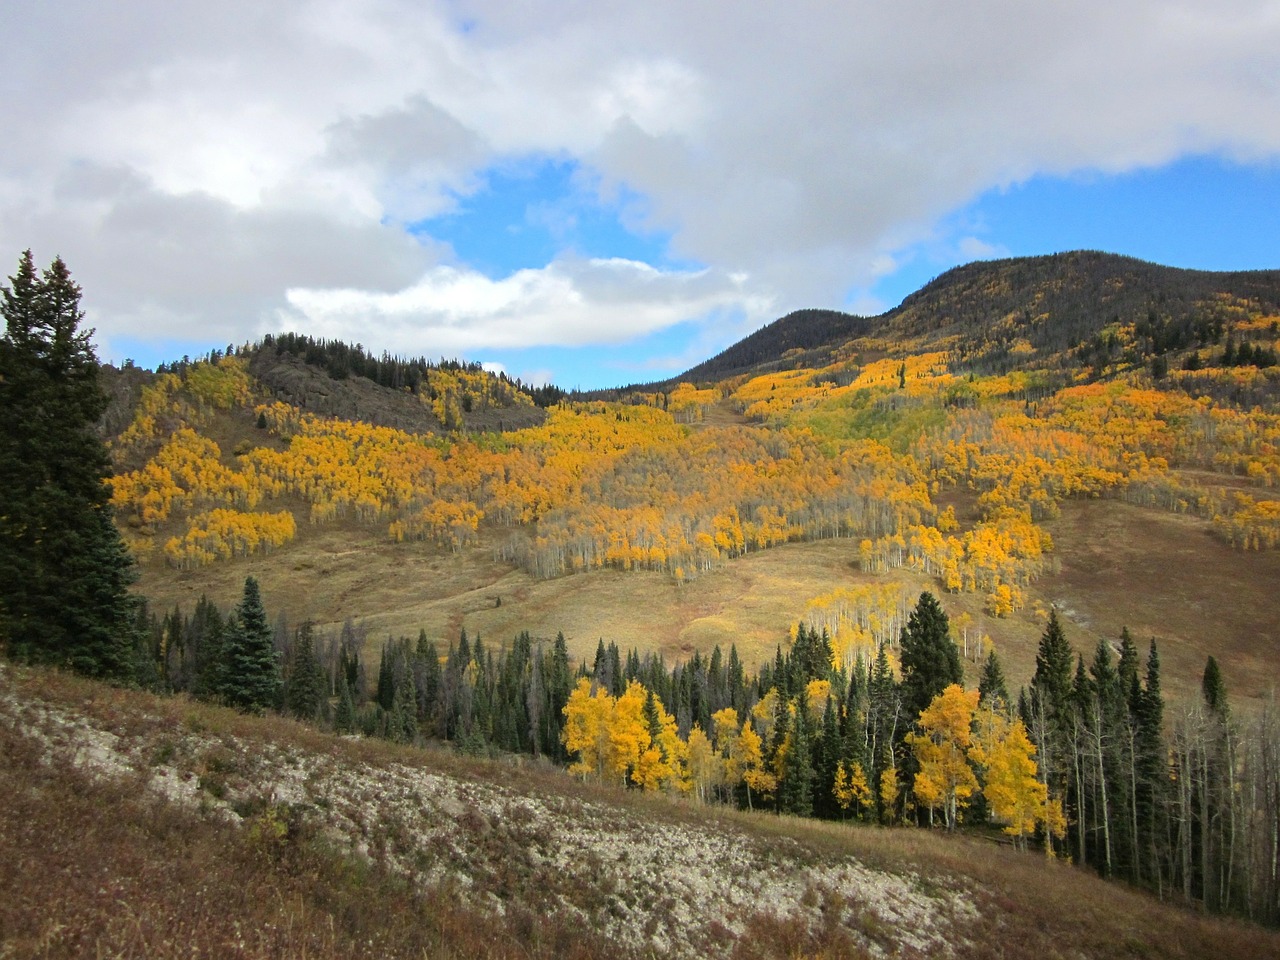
(595, 194)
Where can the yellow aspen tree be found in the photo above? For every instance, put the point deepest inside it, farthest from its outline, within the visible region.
(817, 693)
(889, 791)
(755, 773)
(704, 764)
(851, 788)
(1015, 796)
(941, 747)
(629, 740)
(725, 727)
(765, 714)
(586, 729)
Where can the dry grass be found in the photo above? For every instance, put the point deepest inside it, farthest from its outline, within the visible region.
(459, 858)
(1114, 565)
(1167, 576)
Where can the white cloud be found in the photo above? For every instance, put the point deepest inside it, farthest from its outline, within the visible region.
(975, 248)
(204, 167)
(570, 302)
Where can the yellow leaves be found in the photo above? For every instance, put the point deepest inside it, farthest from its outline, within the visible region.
(750, 759)
(1014, 794)
(765, 713)
(687, 404)
(586, 729)
(220, 385)
(817, 693)
(890, 788)
(945, 779)
(704, 764)
(612, 739)
(724, 725)
(447, 523)
(850, 788)
(223, 534)
(1251, 524)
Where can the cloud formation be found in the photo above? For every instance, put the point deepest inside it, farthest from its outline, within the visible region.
(569, 302)
(208, 170)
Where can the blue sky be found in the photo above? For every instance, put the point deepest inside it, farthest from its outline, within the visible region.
(610, 193)
(1202, 213)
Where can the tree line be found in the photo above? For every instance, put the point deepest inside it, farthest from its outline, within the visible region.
(1082, 762)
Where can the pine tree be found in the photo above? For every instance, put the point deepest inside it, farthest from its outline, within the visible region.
(559, 684)
(1050, 697)
(304, 689)
(250, 674)
(64, 570)
(1214, 689)
(992, 689)
(426, 681)
(344, 718)
(827, 755)
(795, 772)
(1151, 767)
(930, 661)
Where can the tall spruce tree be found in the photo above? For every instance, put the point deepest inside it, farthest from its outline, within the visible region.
(250, 674)
(930, 661)
(305, 687)
(64, 570)
(993, 692)
(1051, 707)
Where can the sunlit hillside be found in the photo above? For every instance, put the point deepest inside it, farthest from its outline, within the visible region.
(972, 458)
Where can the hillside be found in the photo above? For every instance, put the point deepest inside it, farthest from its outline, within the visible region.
(779, 590)
(256, 837)
(803, 338)
(1066, 306)
(331, 477)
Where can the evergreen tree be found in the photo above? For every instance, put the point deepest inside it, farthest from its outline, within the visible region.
(736, 681)
(795, 773)
(64, 570)
(402, 721)
(885, 723)
(992, 690)
(304, 690)
(1214, 689)
(827, 754)
(1151, 767)
(930, 661)
(344, 718)
(426, 681)
(559, 684)
(386, 690)
(250, 675)
(1051, 715)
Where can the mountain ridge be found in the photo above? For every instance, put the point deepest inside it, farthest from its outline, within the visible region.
(1080, 291)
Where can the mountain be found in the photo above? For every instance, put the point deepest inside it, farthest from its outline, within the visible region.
(1064, 305)
(799, 339)
(1082, 440)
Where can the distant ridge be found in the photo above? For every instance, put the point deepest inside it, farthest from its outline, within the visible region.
(1057, 303)
(802, 331)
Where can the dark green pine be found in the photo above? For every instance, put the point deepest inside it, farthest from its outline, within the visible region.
(250, 677)
(993, 691)
(930, 661)
(64, 571)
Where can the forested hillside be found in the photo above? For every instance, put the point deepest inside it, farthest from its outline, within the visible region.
(949, 668)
